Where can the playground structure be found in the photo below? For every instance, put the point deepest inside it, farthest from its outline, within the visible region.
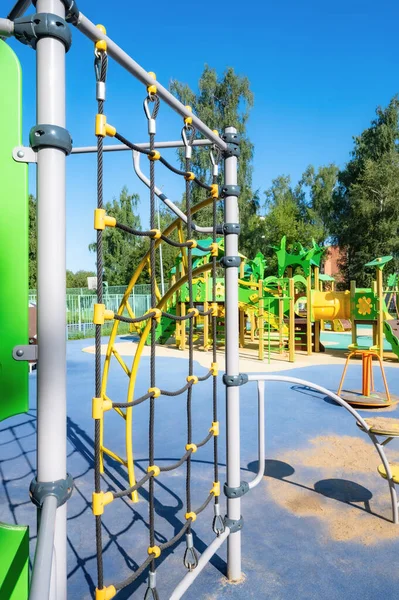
(50, 144)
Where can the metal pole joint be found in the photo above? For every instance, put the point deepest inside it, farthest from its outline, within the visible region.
(235, 380)
(230, 261)
(236, 492)
(230, 190)
(71, 11)
(232, 140)
(234, 524)
(50, 136)
(31, 28)
(61, 489)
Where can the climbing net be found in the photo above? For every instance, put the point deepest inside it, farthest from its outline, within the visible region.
(147, 325)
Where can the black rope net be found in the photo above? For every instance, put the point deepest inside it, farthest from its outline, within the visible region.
(148, 324)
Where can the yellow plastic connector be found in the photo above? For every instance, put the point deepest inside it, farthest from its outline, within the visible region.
(100, 406)
(156, 392)
(189, 176)
(193, 243)
(102, 220)
(103, 128)
(215, 131)
(156, 312)
(215, 428)
(101, 44)
(193, 311)
(156, 234)
(154, 470)
(188, 120)
(154, 155)
(214, 249)
(101, 499)
(254, 297)
(152, 89)
(215, 190)
(192, 378)
(191, 515)
(101, 314)
(192, 447)
(155, 551)
(106, 593)
(215, 309)
(214, 368)
(215, 489)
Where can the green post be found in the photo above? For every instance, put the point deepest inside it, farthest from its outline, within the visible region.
(14, 540)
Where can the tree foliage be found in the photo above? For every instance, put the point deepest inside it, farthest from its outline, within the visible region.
(78, 279)
(364, 215)
(122, 251)
(222, 101)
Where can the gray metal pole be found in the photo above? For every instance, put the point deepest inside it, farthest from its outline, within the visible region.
(145, 145)
(232, 368)
(41, 572)
(6, 28)
(206, 556)
(51, 381)
(19, 9)
(121, 57)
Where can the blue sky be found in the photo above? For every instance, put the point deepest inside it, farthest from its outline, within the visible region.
(318, 70)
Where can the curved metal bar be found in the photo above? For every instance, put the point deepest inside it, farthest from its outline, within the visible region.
(179, 213)
(260, 377)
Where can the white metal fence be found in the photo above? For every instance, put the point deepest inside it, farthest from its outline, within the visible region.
(79, 308)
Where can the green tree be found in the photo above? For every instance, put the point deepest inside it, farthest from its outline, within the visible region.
(122, 251)
(222, 101)
(364, 215)
(78, 279)
(32, 242)
(289, 212)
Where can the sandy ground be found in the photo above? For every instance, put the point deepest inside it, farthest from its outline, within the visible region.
(248, 357)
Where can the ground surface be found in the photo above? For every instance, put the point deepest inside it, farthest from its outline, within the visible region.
(316, 526)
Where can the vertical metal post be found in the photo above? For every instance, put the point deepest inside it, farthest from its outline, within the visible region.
(291, 343)
(51, 381)
(232, 368)
(380, 313)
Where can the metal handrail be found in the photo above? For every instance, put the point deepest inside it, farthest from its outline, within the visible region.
(43, 572)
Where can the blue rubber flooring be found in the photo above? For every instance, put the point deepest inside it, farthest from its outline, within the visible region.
(286, 554)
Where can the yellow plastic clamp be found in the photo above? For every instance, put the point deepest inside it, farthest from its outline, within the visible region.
(156, 392)
(157, 312)
(156, 234)
(106, 593)
(214, 309)
(99, 406)
(192, 378)
(192, 447)
(216, 488)
(188, 120)
(101, 499)
(102, 220)
(189, 176)
(215, 190)
(215, 131)
(254, 297)
(103, 128)
(154, 470)
(214, 368)
(193, 243)
(102, 45)
(155, 551)
(214, 249)
(154, 155)
(152, 89)
(215, 428)
(101, 314)
(193, 311)
(191, 515)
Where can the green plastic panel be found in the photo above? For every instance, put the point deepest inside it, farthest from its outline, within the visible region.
(14, 562)
(13, 241)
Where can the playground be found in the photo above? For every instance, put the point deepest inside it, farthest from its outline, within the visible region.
(237, 437)
(318, 516)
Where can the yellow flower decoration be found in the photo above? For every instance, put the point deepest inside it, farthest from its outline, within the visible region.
(364, 306)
